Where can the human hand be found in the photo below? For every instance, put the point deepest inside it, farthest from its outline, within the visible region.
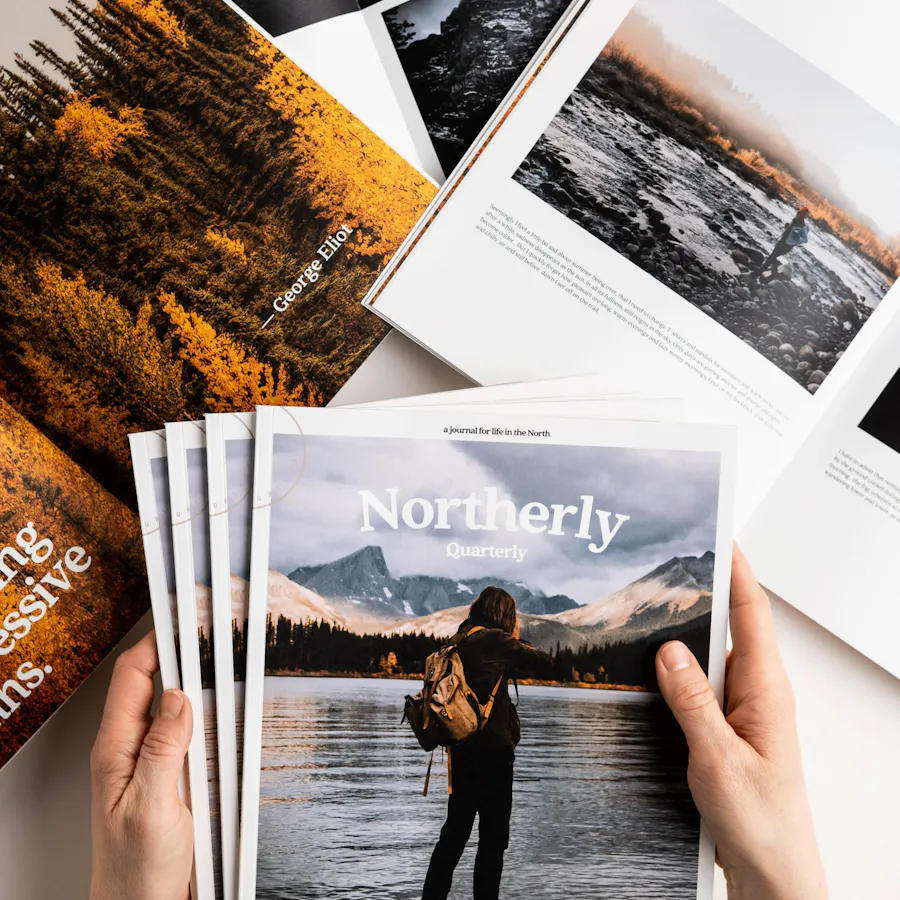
(142, 833)
(744, 769)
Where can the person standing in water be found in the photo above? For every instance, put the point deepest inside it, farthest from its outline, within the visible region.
(481, 768)
(795, 235)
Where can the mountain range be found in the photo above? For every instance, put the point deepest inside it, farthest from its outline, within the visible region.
(363, 579)
(358, 593)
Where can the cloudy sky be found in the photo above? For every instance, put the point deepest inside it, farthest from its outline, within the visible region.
(816, 113)
(317, 514)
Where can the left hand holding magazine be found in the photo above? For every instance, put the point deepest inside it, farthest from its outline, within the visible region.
(142, 832)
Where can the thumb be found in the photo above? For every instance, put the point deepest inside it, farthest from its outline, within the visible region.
(690, 696)
(162, 753)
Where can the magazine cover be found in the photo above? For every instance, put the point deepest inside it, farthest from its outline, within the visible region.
(187, 222)
(376, 538)
(195, 634)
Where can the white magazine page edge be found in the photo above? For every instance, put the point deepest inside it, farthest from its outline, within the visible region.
(718, 438)
(223, 655)
(192, 685)
(146, 446)
(256, 653)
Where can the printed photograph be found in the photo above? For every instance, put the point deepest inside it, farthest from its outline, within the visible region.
(461, 57)
(57, 621)
(735, 173)
(160, 212)
(555, 572)
(882, 421)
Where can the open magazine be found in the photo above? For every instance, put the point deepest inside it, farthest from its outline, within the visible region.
(662, 201)
(448, 64)
(372, 533)
(197, 245)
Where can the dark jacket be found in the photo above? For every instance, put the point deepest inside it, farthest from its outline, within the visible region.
(487, 656)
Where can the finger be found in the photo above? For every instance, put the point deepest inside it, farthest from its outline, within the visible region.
(126, 718)
(752, 625)
(164, 747)
(687, 690)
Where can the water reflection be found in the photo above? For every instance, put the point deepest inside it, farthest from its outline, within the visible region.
(601, 807)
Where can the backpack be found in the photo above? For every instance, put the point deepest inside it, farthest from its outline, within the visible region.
(446, 711)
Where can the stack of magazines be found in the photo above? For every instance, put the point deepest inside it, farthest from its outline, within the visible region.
(303, 565)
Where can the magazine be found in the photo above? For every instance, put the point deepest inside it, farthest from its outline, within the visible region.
(186, 466)
(839, 500)
(445, 65)
(662, 202)
(230, 454)
(163, 255)
(149, 453)
(622, 540)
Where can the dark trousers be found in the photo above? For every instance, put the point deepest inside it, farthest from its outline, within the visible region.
(482, 786)
(781, 248)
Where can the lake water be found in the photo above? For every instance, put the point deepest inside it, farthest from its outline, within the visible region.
(601, 807)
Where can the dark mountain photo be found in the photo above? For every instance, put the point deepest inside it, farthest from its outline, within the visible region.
(460, 73)
(363, 579)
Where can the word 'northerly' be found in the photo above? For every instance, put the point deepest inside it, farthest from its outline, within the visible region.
(492, 514)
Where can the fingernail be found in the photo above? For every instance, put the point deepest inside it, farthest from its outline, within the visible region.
(675, 656)
(171, 704)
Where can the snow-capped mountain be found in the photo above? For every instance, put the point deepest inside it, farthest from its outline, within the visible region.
(364, 579)
(676, 590)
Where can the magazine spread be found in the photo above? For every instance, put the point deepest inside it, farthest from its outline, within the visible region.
(663, 200)
(613, 538)
(152, 268)
(826, 537)
(195, 636)
(67, 546)
(447, 64)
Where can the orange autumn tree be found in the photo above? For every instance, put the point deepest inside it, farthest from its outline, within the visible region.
(96, 129)
(152, 12)
(99, 369)
(234, 378)
(354, 178)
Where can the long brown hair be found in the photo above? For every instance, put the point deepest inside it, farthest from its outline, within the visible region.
(494, 608)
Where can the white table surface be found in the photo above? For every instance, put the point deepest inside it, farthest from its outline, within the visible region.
(848, 708)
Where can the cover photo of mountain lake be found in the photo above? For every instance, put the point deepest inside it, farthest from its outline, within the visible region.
(601, 806)
(461, 57)
(734, 172)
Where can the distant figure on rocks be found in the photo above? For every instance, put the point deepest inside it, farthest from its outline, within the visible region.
(795, 235)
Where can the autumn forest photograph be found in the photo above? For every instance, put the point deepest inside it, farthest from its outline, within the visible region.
(166, 175)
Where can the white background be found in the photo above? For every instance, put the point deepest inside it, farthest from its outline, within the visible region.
(848, 708)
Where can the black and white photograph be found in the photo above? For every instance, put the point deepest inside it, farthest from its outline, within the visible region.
(555, 572)
(461, 57)
(882, 421)
(735, 173)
